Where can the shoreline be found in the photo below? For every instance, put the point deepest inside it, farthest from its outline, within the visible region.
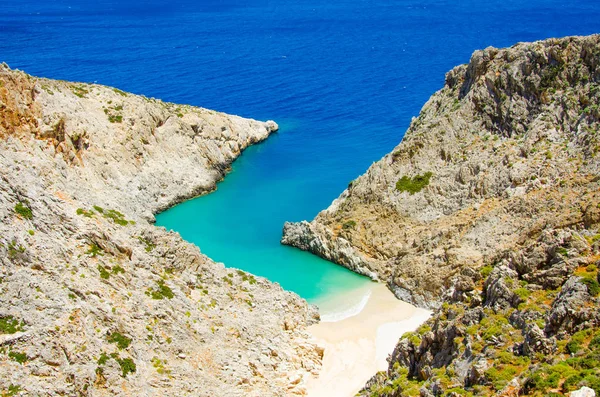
(357, 347)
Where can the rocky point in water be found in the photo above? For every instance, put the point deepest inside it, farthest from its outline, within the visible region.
(488, 212)
(96, 301)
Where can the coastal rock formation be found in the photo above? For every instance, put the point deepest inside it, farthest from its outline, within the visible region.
(487, 211)
(94, 300)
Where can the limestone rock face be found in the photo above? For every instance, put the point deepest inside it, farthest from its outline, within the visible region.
(487, 212)
(94, 300)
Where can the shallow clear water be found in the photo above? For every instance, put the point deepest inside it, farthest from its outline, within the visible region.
(342, 79)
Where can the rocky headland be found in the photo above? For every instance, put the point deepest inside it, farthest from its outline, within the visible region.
(94, 299)
(487, 212)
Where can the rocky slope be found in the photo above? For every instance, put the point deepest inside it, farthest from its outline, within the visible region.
(94, 300)
(488, 211)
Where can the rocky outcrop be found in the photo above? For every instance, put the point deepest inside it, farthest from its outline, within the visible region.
(488, 212)
(96, 301)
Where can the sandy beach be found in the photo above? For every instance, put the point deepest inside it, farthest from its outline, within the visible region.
(356, 347)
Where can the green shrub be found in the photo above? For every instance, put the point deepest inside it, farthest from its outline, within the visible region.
(86, 213)
(94, 250)
(104, 274)
(115, 118)
(415, 184)
(121, 340)
(79, 90)
(117, 269)
(486, 271)
(522, 293)
(103, 358)
(21, 358)
(127, 366)
(12, 390)
(349, 225)
(592, 285)
(162, 292)
(10, 325)
(24, 210)
(116, 217)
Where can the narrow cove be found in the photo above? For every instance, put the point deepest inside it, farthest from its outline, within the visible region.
(240, 225)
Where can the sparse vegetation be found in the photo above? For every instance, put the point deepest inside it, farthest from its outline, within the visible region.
(12, 390)
(94, 250)
(23, 209)
(415, 184)
(10, 325)
(161, 291)
(104, 274)
(110, 214)
(246, 277)
(79, 90)
(127, 365)
(149, 244)
(19, 357)
(117, 269)
(349, 225)
(160, 366)
(121, 340)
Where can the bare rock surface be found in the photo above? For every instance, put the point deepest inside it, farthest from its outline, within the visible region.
(94, 300)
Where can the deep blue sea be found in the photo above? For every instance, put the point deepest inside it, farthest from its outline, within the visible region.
(342, 78)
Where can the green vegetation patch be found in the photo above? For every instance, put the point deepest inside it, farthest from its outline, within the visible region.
(12, 390)
(127, 366)
(162, 291)
(103, 358)
(104, 274)
(86, 213)
(80, 90)
(23, 209)
(19, 357)
(351, 224)
(592, 285)
(149, 244)
(94, 250)
(114, 114)
(118, 91)
(415, 184)
(160, 366)
(121, 340)
(246, 276)
(112, 215)
(10, 325)
(117, 269)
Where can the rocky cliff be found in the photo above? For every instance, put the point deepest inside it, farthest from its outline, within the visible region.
(94, 300)
(488, 211)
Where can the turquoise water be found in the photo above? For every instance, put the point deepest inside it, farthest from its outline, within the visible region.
(240, 224)
(342, 78)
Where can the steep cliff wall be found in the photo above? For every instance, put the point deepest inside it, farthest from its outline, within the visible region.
(488, 210)
(96, 301)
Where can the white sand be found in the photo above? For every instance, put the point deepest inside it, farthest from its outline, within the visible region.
(357, 347)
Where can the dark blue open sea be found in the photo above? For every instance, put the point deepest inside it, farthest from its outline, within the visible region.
(342, 78)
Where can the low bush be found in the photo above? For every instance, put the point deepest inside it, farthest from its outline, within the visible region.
(415, 184)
